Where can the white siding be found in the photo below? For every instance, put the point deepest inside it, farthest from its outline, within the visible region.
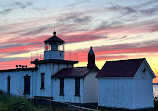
(91, 88)
(48, 69)
(16, 82)
(69, 91)
(43, 68)
(143, 88)
(17, 79)
(115, 92)
(130, 93)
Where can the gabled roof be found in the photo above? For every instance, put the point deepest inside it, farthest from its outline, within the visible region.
(73, 72)
(54, 38)
(121, 68)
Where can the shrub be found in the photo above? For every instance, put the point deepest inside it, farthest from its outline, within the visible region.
(21, 105)
(12, 103)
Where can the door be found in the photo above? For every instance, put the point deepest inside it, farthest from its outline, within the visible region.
(8, 84)
(27, 84)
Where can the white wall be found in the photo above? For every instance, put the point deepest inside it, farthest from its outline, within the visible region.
(54, 55)
(69, 91)
(48, 69)
(115, 92)
(17, 79)
(16, 82)
(143, 88)
(91, 88)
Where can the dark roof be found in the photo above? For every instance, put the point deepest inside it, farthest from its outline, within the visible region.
(121, 68)
(20, 69)
(54, 38)
(73, 72)
(53, 61)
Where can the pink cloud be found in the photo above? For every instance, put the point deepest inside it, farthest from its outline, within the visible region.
(12, 64)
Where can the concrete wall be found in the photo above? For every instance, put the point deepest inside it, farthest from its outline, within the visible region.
(16, 82)
(69, 91)
(115, 92)
(91, 88)
(143, 88)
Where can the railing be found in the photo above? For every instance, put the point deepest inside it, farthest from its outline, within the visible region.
(71, 56)
(68, 56)
(38, 55)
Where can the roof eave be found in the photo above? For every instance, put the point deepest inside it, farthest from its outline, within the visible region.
(115, 77)
(58, 77)
(53, 61)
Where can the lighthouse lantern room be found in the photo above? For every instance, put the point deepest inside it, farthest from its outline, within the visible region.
(54, 48)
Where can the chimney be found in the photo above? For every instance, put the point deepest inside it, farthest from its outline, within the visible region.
(91, 58)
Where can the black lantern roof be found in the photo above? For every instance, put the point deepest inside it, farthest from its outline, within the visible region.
(54, 38)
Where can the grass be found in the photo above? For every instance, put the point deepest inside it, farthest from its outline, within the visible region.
(12, 103)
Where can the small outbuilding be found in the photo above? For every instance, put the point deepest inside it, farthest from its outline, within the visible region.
(126, 84)
(76, 84)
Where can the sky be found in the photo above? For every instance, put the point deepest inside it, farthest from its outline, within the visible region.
(116, 29)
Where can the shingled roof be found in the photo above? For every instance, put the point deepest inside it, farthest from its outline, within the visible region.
(121, 68)
(73, 72)
(54, 38)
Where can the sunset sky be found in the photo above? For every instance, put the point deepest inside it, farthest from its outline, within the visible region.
(117, 29)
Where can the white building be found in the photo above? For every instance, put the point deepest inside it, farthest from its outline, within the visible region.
(76, 85)
(18, 81)
(38, 81)
(126, 84)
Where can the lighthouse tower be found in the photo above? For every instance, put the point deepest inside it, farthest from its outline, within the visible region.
(54, 48)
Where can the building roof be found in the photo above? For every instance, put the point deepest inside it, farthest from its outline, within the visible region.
(53, 61)
(20, 69)
(73, 72)
(121, 68)
(54, 38)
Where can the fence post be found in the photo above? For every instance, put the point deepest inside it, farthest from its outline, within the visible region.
(68, 106)
(50, 102)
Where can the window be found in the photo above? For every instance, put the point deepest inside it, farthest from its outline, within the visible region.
(27, 84)
(77, 87)
(8, 84)
(53, 66)
(42, 80)
(58, 67)
(61, 86)
(144, 73)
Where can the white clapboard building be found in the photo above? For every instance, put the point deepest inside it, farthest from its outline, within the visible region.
(126, 84)
(53, 77)
(119, 84)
